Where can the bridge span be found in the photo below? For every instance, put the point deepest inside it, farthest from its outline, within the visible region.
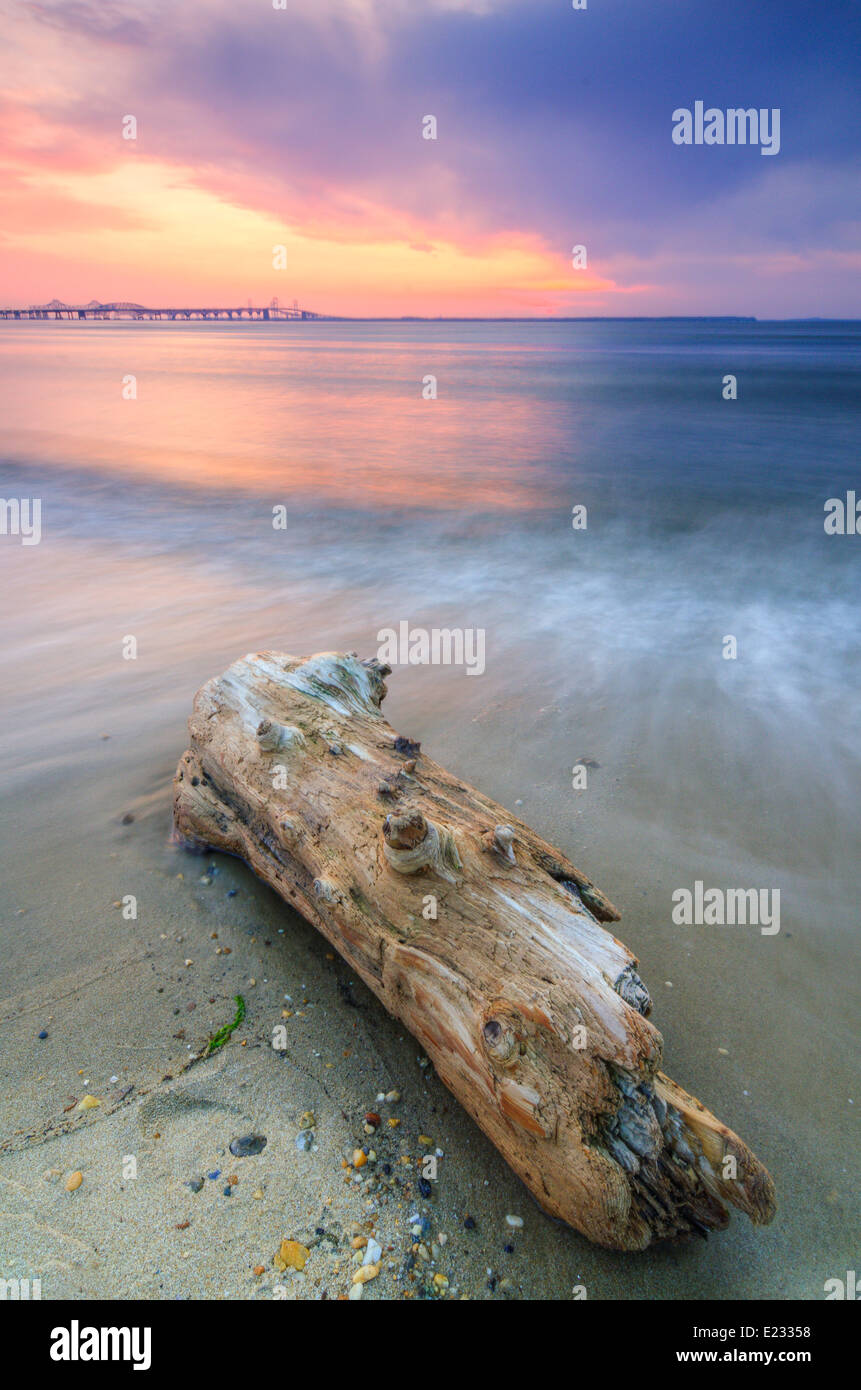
(56, 309)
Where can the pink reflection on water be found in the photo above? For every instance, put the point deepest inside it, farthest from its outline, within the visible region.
(288, 416)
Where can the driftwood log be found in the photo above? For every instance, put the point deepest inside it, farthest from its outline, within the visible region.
(473, 931)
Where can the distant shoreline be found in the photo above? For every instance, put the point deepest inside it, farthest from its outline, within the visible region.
(12, 316)
(421, 318)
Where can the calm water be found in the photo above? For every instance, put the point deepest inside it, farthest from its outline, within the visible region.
(705, 519)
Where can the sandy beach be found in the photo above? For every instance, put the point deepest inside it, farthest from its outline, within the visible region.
(125, 1003)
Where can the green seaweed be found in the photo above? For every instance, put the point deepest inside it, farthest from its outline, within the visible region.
(220, 1038)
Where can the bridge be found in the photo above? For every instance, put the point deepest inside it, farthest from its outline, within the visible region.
(56, 309)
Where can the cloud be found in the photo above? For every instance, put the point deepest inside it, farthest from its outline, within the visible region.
(553, 125)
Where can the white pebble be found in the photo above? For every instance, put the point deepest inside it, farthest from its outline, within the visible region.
(373, 1252)
(515, 1221)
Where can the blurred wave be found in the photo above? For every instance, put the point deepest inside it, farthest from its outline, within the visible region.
(705, 520)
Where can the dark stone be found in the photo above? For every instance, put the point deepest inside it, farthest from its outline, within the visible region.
(248, 1145)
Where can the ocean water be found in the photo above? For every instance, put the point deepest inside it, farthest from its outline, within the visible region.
(705, 520)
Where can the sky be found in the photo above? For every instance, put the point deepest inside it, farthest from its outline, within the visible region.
(302, 128)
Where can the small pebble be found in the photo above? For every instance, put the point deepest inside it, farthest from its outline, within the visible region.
(515, 1221)
(248, 1145)
(73, 1181)
(43, 1034)
(292, 1255)
(196, 1184)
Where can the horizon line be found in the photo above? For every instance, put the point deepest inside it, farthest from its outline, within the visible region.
(450, 318)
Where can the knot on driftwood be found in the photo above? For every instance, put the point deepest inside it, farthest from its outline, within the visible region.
(500, 841)
(500, 1040)
(377, 672)
(411, 843)
(631, 988)
(272, 736)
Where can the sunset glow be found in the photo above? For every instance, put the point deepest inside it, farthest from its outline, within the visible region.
(302, 128)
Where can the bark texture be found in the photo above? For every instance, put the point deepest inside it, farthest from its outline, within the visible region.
(531, 1011)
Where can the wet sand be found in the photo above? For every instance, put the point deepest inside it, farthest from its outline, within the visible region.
(760, 1028)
